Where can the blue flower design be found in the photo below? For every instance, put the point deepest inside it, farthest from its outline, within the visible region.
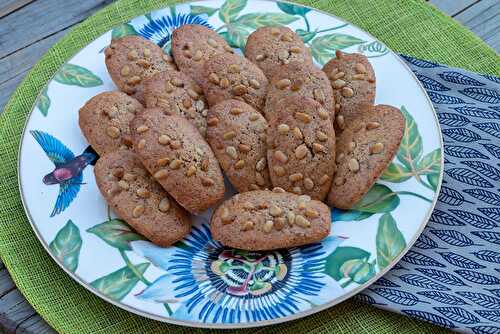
(160, 30)
(207, 282)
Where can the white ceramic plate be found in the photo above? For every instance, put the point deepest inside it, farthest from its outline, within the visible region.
(198, 282)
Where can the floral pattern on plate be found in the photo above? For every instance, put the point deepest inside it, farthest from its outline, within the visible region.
(198, 282)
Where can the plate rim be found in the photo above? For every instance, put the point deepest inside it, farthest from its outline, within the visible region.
(254, 324)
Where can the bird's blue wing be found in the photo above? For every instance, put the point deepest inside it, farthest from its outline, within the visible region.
(67, 193)
(57, 152)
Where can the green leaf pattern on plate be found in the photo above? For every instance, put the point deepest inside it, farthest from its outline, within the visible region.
(351, 215)
(257, 20)
(410, 149)
(433, 180)
(410, 157)
(430, 163)
(339, 257)
(75, 75)
(396, 173)
(293, 9)
(43, 102)
(305, 35)
(379, 198)
(389, 240)
(359, 271)
(197, 10)
(237, 35)
(66, 246)
(348, 264)
(119, 283)
(323, 48)
(230, 10)
(122, 30)
(116, 233)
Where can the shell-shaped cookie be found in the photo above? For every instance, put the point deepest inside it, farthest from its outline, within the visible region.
(301, 147)
(299, 79)
(353, 82)
(138, 199)
(229, 76)
(131, 59)
(105, 118)
(192, 45)
(177, 94)
(237, 135)
(364, 150)
(265, 220)
(178, 157)
(271, 47)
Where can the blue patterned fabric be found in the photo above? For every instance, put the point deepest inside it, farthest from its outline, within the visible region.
(451, 276)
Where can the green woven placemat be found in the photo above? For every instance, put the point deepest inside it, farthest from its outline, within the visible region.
(406, 26)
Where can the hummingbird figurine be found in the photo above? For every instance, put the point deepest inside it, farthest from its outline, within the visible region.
(68, 168)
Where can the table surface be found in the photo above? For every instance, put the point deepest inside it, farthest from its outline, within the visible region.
(28, 28)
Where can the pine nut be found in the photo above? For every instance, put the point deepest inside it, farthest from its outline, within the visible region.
(164, 204)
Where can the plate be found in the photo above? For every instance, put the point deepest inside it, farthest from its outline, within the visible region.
(198, 282)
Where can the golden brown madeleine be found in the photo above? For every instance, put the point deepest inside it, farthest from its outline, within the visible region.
(353, 82)
(266, 220)
(230, 76)
(364, 150)
(301, 147)
(237, 135)
(299, 79)
(192, 45)
(138, 199)
(271, 47)
(177, 94)
(178, 157)
(131, 59)
(104, 121)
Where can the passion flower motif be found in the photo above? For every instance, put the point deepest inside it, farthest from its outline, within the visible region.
(160, 30)
(207, 282)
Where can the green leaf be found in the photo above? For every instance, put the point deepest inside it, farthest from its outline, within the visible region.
(197, 10)
(321, 55)
(75, 75)
(305, 35)
(323, 48)
(257, 20)
(379, 198)
(123, 30)
(119, 283)
(433, 180)
(237, 36)
(396, 173)
(349, 215)
(43, 102)
(116, 233)
(359, 271)
(293, 9)
(430, 163)
(410, 150)
(66, 245)
(230, 10)
(363, 273)
(341, 255)
(389, 240)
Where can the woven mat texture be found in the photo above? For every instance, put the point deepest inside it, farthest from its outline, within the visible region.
(406, 26)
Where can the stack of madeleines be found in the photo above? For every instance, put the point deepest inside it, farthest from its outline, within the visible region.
(285, 133)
